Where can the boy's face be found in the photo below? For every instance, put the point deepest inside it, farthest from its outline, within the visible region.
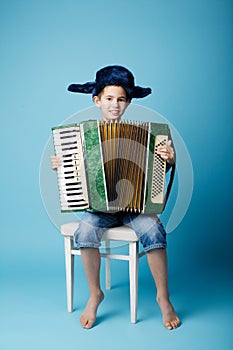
(112, 101)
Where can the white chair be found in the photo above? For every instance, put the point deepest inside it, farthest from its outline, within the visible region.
(122, 233)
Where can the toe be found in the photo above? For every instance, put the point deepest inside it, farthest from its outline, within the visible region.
(172, 324)
(86, 323)
(83, 321)
(175, 323)
(168, 325)
(89, 324)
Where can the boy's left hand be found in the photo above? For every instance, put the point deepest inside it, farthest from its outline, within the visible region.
(167, 152)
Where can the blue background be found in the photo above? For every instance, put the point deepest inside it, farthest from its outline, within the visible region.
(183, 50)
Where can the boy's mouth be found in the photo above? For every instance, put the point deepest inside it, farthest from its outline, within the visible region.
(115, 112)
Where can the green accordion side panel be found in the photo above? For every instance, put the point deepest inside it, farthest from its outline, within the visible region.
(156, 129)
(94, 166)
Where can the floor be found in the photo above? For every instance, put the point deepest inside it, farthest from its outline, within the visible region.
(34, 316)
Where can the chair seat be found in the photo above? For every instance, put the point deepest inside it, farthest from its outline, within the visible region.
(121, 233)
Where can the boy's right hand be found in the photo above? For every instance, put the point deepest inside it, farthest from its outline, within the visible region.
(55, 162)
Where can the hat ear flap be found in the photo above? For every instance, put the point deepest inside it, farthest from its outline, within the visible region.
(140, 92)
(86, 88)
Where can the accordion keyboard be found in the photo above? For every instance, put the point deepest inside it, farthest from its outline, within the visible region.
(71, 174)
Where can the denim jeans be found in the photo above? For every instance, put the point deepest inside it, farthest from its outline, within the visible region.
(148, 229)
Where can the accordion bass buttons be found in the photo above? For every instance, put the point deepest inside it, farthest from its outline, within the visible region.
(159, 167)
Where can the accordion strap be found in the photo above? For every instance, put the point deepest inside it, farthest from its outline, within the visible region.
(172, 175)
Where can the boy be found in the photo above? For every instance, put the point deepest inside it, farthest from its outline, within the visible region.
(112, 92)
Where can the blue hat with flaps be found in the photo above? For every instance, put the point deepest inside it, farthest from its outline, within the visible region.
(112, 75)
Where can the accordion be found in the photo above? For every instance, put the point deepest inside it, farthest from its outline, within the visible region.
(112, 166)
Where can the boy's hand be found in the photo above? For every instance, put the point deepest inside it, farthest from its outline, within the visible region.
(167, 152)
(55, 162)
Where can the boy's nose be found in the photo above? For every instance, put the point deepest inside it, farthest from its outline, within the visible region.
(115, 102)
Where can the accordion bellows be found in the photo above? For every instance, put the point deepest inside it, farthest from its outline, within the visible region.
(111, 166)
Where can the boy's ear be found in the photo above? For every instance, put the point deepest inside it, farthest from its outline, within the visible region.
(96, 101)
(128, 102)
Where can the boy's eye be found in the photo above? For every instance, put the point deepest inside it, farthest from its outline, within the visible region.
(121, 99)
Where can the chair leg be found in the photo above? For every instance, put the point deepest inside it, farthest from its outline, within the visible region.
(107, 266)
(133, 278)
(69, 262)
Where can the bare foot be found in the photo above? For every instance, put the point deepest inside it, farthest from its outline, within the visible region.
(170, 318)
(88, 316)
